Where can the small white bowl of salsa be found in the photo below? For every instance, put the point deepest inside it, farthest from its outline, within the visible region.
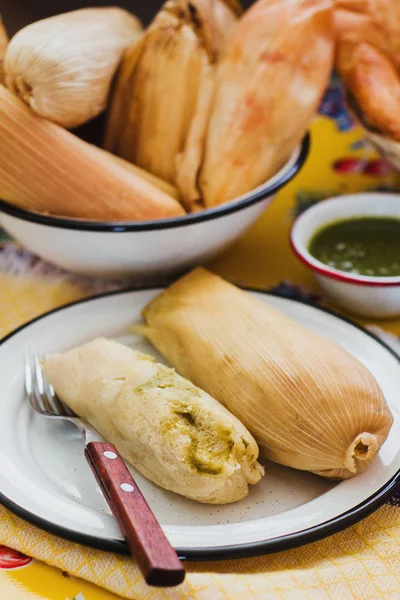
(352, 244)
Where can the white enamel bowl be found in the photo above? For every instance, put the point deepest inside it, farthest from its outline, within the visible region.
(145, 251)
(376, 297)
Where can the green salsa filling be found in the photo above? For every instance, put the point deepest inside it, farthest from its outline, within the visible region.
(207, 451)
(363, 246)
(202, 453)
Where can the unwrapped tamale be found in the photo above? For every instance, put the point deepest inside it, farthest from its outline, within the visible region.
(175, 434)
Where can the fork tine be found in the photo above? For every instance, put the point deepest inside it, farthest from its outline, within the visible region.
(35, 386)
(29, 387)
(59, 405)
(52, 398)
(40, 392)
(34, 394)
(38, 383)
(67, 409)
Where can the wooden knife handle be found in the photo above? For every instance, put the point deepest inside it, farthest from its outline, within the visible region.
(147, 542)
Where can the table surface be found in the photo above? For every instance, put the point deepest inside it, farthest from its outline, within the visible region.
(340, 162)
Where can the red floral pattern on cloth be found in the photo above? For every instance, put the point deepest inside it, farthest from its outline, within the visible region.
(11, 559)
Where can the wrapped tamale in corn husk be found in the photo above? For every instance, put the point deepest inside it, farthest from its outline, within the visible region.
(308, 403)
(47, 169)
(160, 103)
(175, 434)
(374, 84)
(368, 60)
(63, 66)
(272, 73)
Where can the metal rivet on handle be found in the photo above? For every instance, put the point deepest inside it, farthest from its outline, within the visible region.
(109, 454)
(126, 487)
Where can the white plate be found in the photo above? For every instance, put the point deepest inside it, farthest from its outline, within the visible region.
(45, 479)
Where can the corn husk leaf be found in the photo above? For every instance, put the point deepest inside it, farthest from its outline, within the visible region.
(271, 75)
(368, 60)
(121, 97)
(189, 160)
(387, 147)
(308, 403)
(164, 186)
(3, 47)
(148, 123)
(63, 66)
(47, 169)
(214, 20)
(374, 84)
(375, 22)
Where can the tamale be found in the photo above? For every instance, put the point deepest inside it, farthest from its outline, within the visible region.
(47, 169)
(272, 73)
(374, 22)
(368, 60)
(374, 85)
(63, 66)
(175, 434)
(161, 99)
(308, 403)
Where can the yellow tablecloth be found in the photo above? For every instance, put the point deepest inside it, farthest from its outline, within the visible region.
(362, 562)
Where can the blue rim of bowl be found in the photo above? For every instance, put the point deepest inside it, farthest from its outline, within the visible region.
(249, 549)
(120, 227)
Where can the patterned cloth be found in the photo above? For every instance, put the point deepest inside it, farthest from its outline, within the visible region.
(362, 562)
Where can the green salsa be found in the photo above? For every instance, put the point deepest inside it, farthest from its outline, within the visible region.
(363, 246)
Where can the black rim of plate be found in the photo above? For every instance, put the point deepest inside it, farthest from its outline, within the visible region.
(277, 544)
(213, 213)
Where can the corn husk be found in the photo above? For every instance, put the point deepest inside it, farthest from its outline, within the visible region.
(63, 66)
(47, 169)
(308, 403)
(3, 47)
(226, 14)
(188, 161)
(374, 84)
(164, 186)
(221, 21)
(175, 434)
(386, 146)
(368, 60)
(374, 22)
(271, 75)
(163, 89)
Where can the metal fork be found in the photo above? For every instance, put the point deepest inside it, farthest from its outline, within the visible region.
(156, 558)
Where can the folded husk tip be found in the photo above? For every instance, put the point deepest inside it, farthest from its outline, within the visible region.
(364, 448)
